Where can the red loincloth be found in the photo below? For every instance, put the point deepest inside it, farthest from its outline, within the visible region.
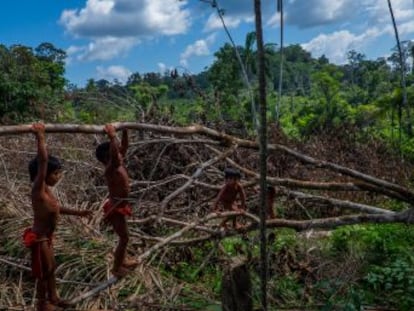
(121, 207)
(30, 240)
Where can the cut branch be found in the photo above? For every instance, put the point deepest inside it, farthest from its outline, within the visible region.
(330, 186)
(227, 139)
(337, 203)
(94, 291)
(196, 175)
(406, 217)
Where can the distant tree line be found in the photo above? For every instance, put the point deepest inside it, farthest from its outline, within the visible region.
(316, 94)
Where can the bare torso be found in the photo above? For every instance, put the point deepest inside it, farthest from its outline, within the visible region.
(45, 212)
(118, 182)
(229, 196)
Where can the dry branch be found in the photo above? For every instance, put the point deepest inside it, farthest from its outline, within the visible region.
(179, 233)
(406, 217)
(228, 139)
(94, 291)
(196, 175)
(330, 186)
(337, 203)
(157, 218)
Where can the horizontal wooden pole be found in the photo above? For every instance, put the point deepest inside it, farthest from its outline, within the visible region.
(97, 129)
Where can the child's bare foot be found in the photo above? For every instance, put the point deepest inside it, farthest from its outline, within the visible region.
(47, 306)
(120, 272)
(224, 227)
(130, 263)
(238, 226)
(60, 302)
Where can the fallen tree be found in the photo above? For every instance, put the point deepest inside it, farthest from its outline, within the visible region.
(189, 161)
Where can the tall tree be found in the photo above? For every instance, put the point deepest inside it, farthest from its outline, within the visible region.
(220, 13)
(263, 151)
(404, 103)
(30, 82)
(248, 55)
(279, 89)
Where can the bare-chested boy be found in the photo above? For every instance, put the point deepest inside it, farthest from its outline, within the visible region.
(117, 207)
(228, 195)
(45, 171)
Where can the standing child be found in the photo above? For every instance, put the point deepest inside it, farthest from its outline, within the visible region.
(117, 207)
(270, 197)
(45, 171)
(228, 195)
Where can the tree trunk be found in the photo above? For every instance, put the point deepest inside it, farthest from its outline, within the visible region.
(263, 153)
(236, 287)
(403, 83)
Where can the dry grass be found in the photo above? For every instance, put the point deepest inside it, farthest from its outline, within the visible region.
(84, 249)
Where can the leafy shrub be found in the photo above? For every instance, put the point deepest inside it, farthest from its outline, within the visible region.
(393, 284)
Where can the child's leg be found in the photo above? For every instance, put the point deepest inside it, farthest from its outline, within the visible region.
(120, 227)
(48, 282)
(38, 272)
(45, 290)
(223, 223)
(41, 291)
(234, 222)
(270, 213)
(235, 208)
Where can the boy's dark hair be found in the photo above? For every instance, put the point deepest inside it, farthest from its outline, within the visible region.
(102, 152)
(53, 164)
(270, 189)
(231, 173)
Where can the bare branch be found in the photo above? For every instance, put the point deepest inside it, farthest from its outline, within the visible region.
(196, 175)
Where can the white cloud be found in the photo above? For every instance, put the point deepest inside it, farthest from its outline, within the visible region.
(379, 11)
(274, 20)
(236, 12)
(336, 45)
(126, 18)
(214, 22)
(102, 49)
(406, 28)
(312, 13)
(115, 26)
(361, 14)
(163, 68)
(198, 48)
(114, 72)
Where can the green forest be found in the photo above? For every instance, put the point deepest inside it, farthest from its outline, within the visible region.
(316, 96)
(355, 118)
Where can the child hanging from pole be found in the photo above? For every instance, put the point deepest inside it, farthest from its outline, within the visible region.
(45, 171)
(228, 194)
(116, 207)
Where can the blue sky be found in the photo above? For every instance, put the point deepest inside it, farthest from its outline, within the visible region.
(111, 39)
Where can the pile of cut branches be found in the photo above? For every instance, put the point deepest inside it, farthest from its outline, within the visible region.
(175, 174)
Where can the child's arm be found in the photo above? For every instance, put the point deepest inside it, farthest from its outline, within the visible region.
(74, 212)
(219, 199)
(42, 157)
(124, 143)
(242, 197)
(115, 159)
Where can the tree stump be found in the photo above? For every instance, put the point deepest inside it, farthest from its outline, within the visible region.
(236, 286)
